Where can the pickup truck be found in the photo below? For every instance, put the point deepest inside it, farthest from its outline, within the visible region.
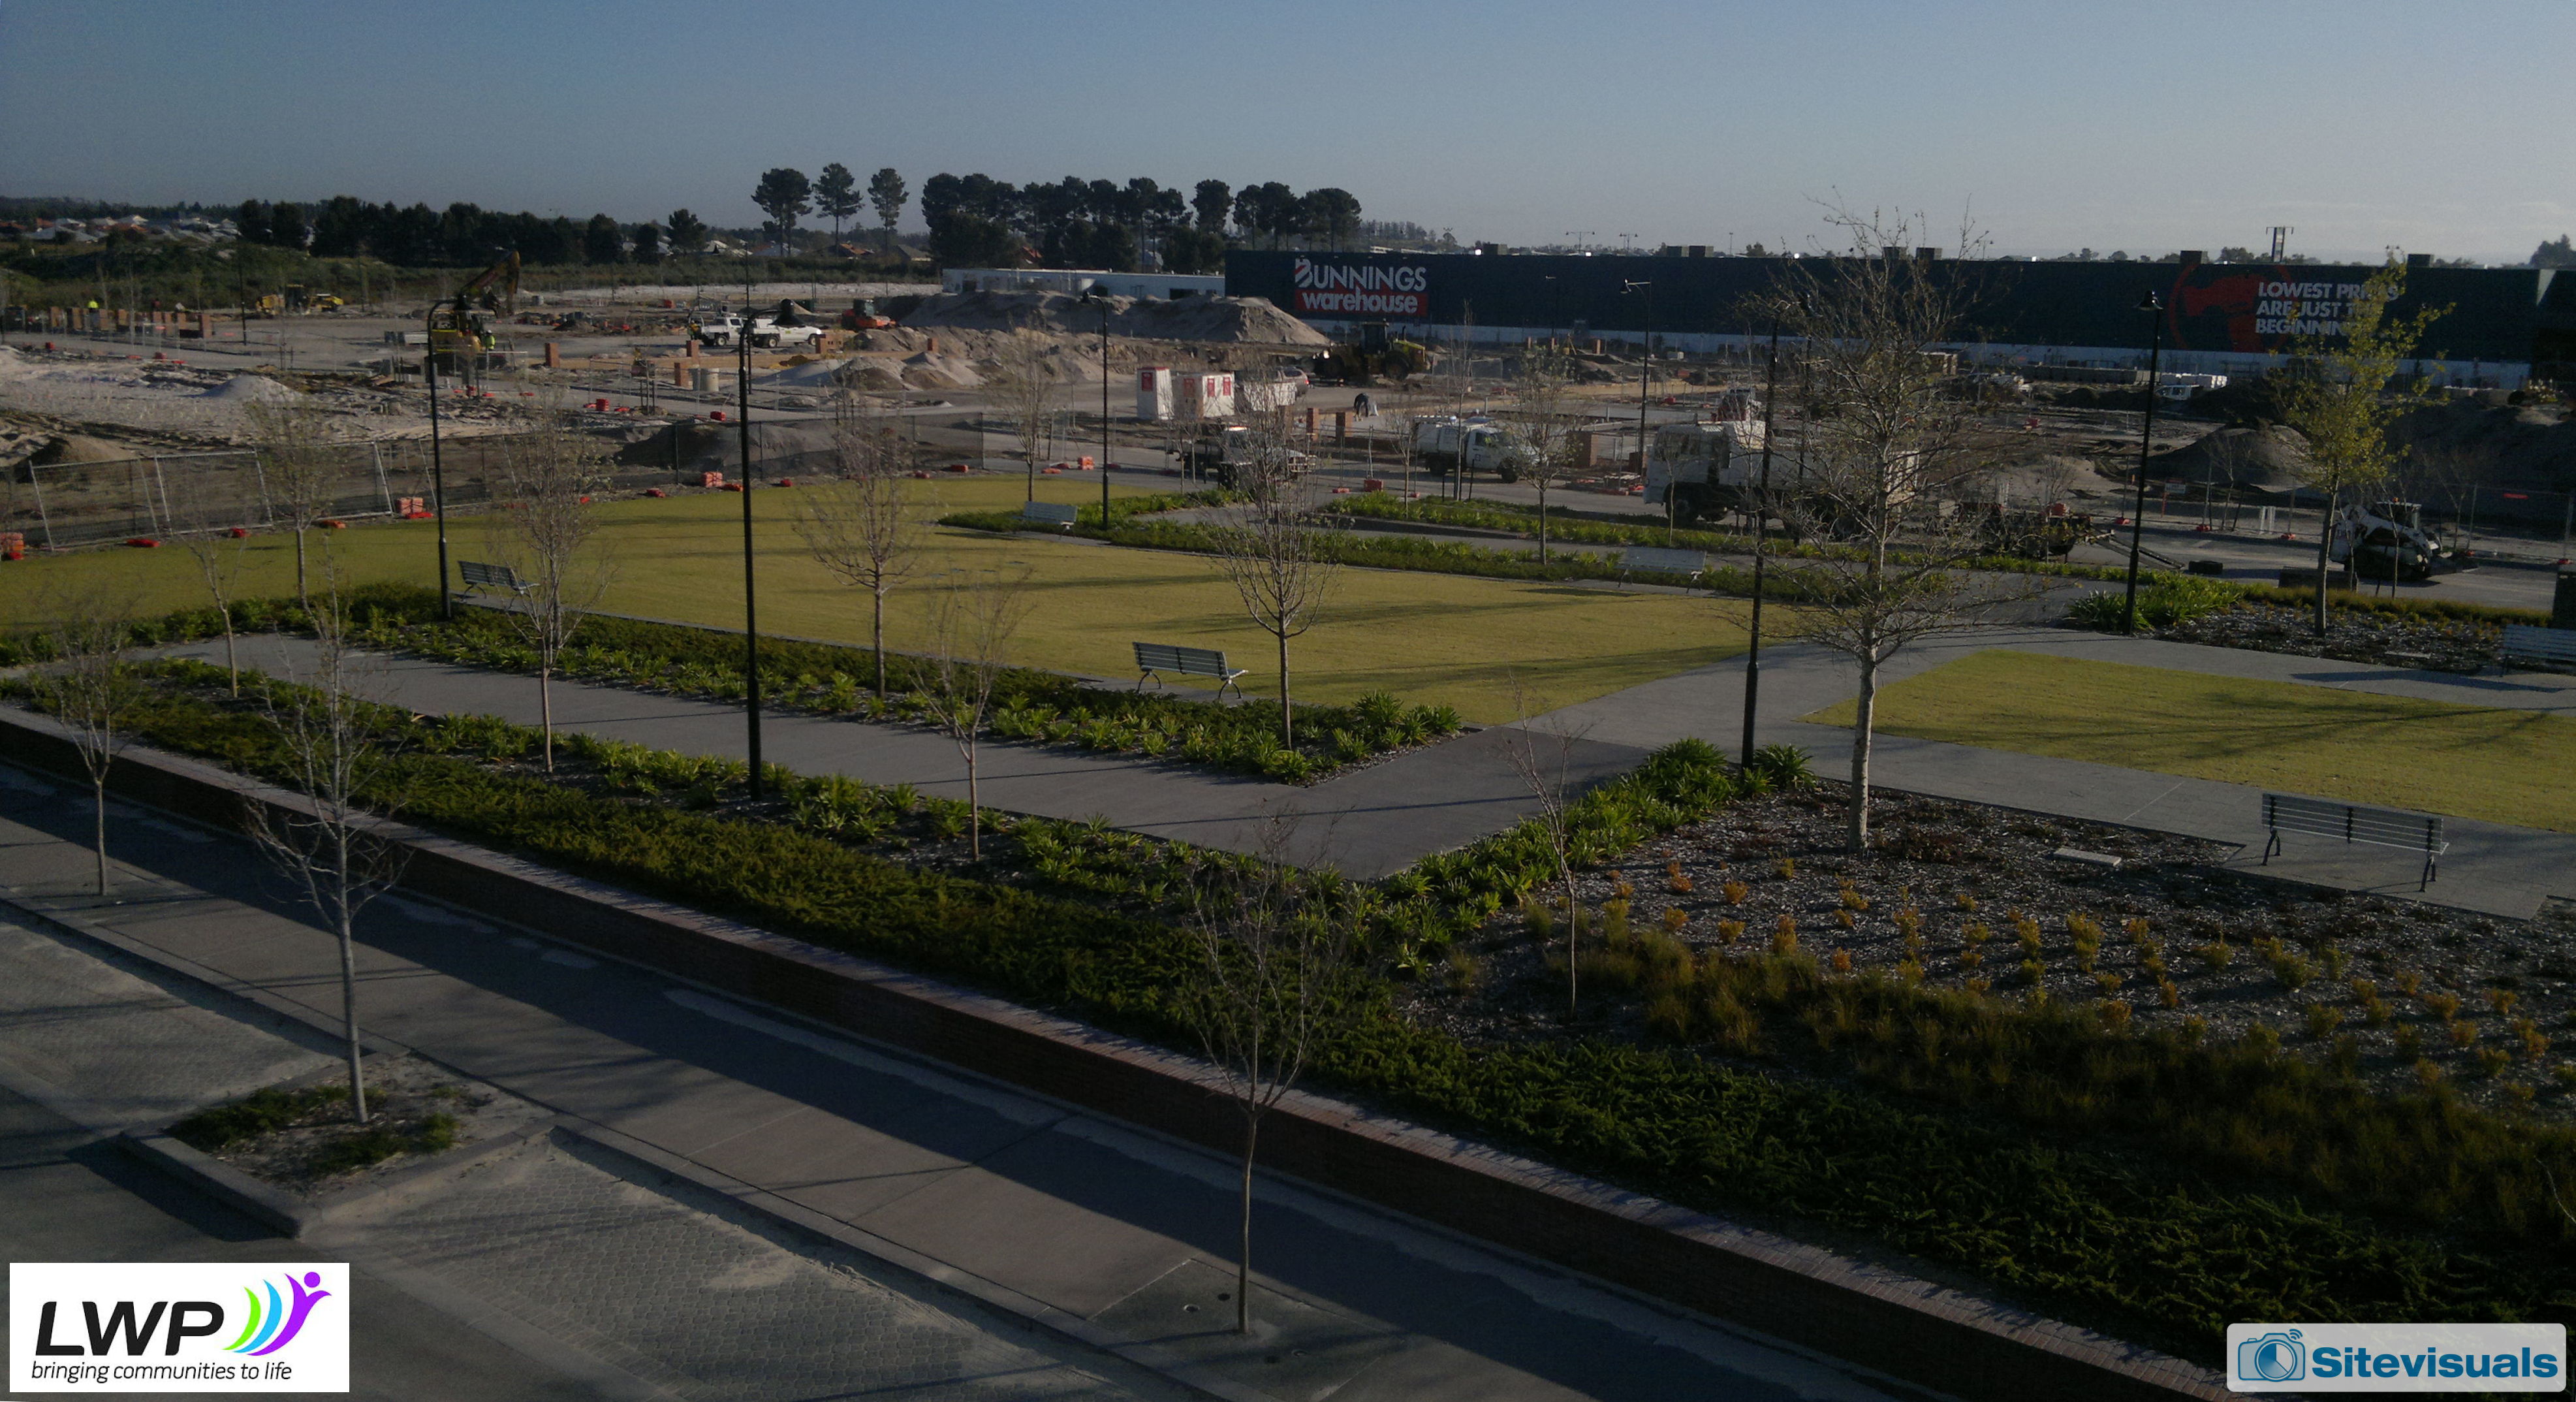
(766, 333)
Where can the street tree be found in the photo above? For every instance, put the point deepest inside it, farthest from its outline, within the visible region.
(1548, 414)
(299, 455)
(860, 525)
(1269, 547)
(1542, 754)
(1271, 979)
(209, 527)
(2344, 399)
(836, 196)
(1024, 389)
(885, 195)
(783, 194)
(543, 532)
(1885, 453)
(973, 617)
(338, 755)
(87, 686)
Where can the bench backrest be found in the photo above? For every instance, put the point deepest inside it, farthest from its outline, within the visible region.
(1656, 557)
(1056, 513)
(1186, 661)
(2547, 644)
(2353, 822)
(476, 572)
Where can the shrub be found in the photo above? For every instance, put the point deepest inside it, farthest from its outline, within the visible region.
(1784, 767)
(2164, 599)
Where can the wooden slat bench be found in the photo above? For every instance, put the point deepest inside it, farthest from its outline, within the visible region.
(1659, 560)
(2527, 643)
(482, 576)
(1154, 658)
(1050, 513)
(2355, 822)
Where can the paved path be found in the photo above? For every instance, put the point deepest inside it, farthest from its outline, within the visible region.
(1369, 821)
(1077, 1217)
(1379, 819)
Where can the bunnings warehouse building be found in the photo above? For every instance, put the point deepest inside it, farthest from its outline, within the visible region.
(2219, 318)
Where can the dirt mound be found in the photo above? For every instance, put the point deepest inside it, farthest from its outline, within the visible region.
(2267, 458)
(251, 389)
(1241, 319)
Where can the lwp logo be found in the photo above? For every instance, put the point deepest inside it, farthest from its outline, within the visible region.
(150, 1327)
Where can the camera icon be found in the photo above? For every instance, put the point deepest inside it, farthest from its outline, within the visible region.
(2277, 1357)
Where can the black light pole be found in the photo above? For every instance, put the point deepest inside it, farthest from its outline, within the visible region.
(1094, 294)
(438, 475)
(750, 612)
(2146, 444)
(1761, 530)
(1645, 376)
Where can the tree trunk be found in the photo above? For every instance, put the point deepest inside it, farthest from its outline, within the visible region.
(301, 596)
(1863, 718)
(546, 710)
(1287, 720)
(2325, 540)
(1573, 992)
(98, 811)
(974, 807)
(232, 660)
(1243, 1256)
(349, 989)
(877, 641)
(1542, 523)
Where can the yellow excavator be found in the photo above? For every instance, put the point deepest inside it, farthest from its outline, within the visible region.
(460, 327)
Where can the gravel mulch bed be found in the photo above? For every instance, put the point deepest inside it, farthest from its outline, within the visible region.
(303, 1140)
(2432, 644)
(2396, 977)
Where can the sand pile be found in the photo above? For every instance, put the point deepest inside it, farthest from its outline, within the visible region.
(2270, 458)
(1243, 319)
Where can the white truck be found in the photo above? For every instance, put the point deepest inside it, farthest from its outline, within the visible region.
(721, 329)
(1449, 443)
(1707, 469)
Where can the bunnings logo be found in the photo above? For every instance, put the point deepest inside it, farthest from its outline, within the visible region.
(99, 1327)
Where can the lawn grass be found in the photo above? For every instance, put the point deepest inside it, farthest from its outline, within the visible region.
(1475, 644)
(2467, 761)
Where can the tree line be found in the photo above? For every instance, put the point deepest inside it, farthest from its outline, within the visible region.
(978, 221)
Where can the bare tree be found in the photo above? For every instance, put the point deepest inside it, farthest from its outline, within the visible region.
(1281, 564)
(298, 456)
(340, 759)
(207, 519)
(1548, 415)
(859, 525)
(1885, 448)
(1274, 952)
(88, 688)
(972, 621)
(543, 533)
(1022, 388)
(1543, 756)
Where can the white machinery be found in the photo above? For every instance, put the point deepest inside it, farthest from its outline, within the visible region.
(2386, 540)
(1448, 443)
(1708, 469)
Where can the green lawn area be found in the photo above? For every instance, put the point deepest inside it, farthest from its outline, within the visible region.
(1431, 638)
(2469, 761)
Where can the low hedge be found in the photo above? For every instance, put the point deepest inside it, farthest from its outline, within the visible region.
(2127, 1238)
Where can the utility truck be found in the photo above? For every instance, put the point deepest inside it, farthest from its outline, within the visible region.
(2386, 540)
(1710, 468)
(1449, 443)
(766, 333)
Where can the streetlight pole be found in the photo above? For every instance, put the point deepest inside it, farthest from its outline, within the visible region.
(2146, 444)
(1761, 530)
(438, 472)
(1645, 377)
(750, 610)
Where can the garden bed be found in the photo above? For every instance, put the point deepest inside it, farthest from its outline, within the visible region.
(301, 1137)
(2425, 641)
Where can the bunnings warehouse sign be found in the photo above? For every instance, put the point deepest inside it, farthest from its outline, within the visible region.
(1324, 288)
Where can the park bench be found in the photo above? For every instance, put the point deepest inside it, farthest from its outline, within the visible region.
(1659, 560)
(2354, 822)
(1050, 513)
(482, 576)
(1155, 658)
(2526, 644)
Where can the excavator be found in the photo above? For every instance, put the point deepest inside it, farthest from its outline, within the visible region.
(2384, 541)
(460, 327)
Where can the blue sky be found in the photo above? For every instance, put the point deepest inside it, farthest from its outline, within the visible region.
(2058, 125)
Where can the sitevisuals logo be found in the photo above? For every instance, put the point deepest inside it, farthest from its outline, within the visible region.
(250, 1326)
(2396, 1358)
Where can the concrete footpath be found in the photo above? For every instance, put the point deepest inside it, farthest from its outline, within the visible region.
(1012, 1202)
